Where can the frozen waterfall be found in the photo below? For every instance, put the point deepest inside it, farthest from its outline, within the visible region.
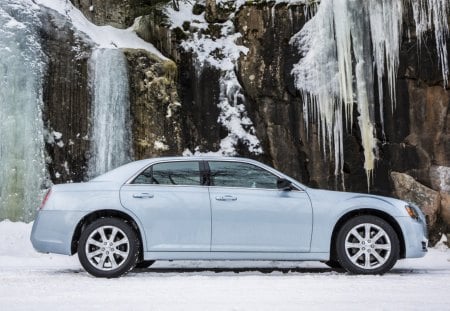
(110, 113)
(22, 170)
(345, 48)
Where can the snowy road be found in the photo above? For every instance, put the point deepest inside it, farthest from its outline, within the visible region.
(31, 281)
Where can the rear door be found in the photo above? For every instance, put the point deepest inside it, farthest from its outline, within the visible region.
(173, 206)
(250, 214)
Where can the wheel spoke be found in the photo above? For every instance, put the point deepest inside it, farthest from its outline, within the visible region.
(367, 231)
(124, 255)
(101, 263)
(113, 261)
(367, 260)
(377, 236)
(383, 246)
(355, 257)
(113, 234)
(377, 256)
(94, 253)
(95, 243)
(352, 245)
(357, 235)
(101, 231)
(122, 241)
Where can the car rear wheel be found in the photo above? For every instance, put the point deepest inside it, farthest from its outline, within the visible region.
(367, 245)
(108, 247)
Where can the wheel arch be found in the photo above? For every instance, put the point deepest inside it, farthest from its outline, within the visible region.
(91, 217)
(367, 211)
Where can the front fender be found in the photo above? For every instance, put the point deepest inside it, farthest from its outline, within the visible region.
(330, 206)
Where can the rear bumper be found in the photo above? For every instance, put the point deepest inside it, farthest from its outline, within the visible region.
(53, 231)
(415, 235)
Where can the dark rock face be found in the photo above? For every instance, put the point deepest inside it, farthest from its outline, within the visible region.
(155, 107)
(416, 136)
(66, 100)
(199, 90)
(198, 85)
(272, 102)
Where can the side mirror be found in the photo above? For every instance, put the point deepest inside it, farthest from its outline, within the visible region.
(284, 184)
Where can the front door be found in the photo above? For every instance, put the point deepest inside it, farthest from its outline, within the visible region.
(250, 214)
(173, 206)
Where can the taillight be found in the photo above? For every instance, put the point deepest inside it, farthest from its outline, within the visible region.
(47, 195)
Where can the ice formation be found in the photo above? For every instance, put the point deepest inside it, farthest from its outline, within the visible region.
(345, 47)
(22, 65)
(111, 131)
(433, 14)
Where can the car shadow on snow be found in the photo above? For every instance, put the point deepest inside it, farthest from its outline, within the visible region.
(264, 270)
(268, 270)
(250, 270)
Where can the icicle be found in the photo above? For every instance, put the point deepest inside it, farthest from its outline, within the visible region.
(344, 57)
(111, 134)
(430, 14)
(272, 15)
(340, 61)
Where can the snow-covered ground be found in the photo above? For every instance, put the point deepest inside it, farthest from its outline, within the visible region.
(32, 281)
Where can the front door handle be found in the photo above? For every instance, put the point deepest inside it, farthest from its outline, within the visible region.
(143, 195)
(226, 198)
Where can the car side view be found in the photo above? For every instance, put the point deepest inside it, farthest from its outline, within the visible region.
(221, 208)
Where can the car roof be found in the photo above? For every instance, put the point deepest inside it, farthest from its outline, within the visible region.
(126, 171)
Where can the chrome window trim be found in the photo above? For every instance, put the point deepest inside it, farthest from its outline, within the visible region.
(206, 159)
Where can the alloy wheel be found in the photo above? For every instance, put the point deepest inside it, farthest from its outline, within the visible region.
(368, 246)
(107, 248)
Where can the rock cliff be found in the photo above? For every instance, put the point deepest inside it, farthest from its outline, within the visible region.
(179, 105)
(415, 138)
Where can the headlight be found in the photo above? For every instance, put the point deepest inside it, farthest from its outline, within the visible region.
(412, 212)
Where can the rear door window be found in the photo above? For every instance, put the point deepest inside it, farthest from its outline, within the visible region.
(171, 173)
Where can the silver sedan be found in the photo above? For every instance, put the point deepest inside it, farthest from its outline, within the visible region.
(218, 208)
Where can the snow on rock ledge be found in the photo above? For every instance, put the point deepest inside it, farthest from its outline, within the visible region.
(102, 36)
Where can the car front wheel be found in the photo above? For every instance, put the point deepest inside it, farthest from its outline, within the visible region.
(108, 248)
(367, 245)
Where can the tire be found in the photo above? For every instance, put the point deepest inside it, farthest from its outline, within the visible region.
(334, 264)
(108, 248)
(367, 245)
(144, 264)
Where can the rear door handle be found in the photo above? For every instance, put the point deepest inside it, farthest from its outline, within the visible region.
(143, 195)
(226, 198)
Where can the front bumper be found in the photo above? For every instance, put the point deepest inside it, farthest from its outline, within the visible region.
(415, 236)
(53, 231)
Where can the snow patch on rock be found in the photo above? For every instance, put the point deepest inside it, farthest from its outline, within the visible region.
(222, 53)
